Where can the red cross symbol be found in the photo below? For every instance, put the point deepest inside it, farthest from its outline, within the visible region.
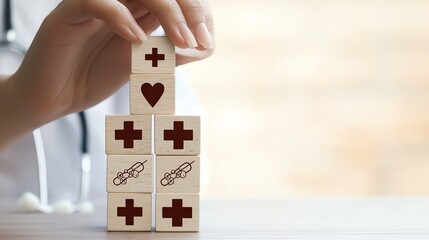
(129, 212)
(178, 135)
(154, 57)
(128, 134)
(177, 212)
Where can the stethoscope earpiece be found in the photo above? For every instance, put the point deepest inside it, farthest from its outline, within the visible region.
(86, 207)
(29, 202)
(64, 207)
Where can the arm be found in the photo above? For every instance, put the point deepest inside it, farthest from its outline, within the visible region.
(14, 122)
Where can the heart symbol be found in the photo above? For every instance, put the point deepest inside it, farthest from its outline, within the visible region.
(152, 93)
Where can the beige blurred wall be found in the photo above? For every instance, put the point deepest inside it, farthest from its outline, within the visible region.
(313, 97)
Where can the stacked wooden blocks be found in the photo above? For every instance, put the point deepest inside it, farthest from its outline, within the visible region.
(130, 160)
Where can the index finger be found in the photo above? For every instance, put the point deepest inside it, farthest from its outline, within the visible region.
(112, 12)
(171, 17)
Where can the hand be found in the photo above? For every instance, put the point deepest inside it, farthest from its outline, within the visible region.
(81, 54)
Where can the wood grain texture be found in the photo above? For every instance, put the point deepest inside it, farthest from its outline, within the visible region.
(129, 173)
(177, 174)
(142, 201)
(189, 201)
(163, 46)
(141, 123)
(165, 123)
(139, 103)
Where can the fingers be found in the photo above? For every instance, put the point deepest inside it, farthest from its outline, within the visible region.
(148, 23)
(188, 23)
(209, 16)
(184, 21)
(112, 12)
(121, 50)
(195, 13)
(136, 9)
(170, 16)
(193, 10)
(184, 56)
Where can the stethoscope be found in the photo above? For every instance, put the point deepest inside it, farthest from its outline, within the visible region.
(13, 53)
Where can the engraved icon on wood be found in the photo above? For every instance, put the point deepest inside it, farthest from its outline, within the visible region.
(132, 172)
(179, 172)
(128, 134)
(177, 212)
(152, 94)
(178, 135)
(154, 57)
(129, 212)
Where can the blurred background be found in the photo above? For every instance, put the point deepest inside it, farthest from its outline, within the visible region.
(316, 98)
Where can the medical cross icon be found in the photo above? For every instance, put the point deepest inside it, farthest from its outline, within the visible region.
(178, 135)
(129, 212)
(154, 57)
(177, 212)
(128, 134)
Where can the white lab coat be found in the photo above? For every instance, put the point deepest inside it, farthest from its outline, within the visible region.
(18, 164)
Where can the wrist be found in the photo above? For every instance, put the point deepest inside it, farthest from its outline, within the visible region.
(29, 102)
(14, 122)
(19, 116)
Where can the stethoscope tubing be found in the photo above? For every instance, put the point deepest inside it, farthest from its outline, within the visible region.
(7, 43)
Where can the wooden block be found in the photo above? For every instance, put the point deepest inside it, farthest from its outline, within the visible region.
(156, 55)
(177, 135)
(129, 212)
(177, 174)
(128, 134)
(130, 173)
(177, 212)
(152, 94)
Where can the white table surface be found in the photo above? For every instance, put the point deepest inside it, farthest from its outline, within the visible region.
(366, 218)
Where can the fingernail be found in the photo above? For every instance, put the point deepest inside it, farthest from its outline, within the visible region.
(138, 32)
(203, 35)
(187, 35)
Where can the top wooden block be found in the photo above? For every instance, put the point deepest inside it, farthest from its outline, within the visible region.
(155, 55)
